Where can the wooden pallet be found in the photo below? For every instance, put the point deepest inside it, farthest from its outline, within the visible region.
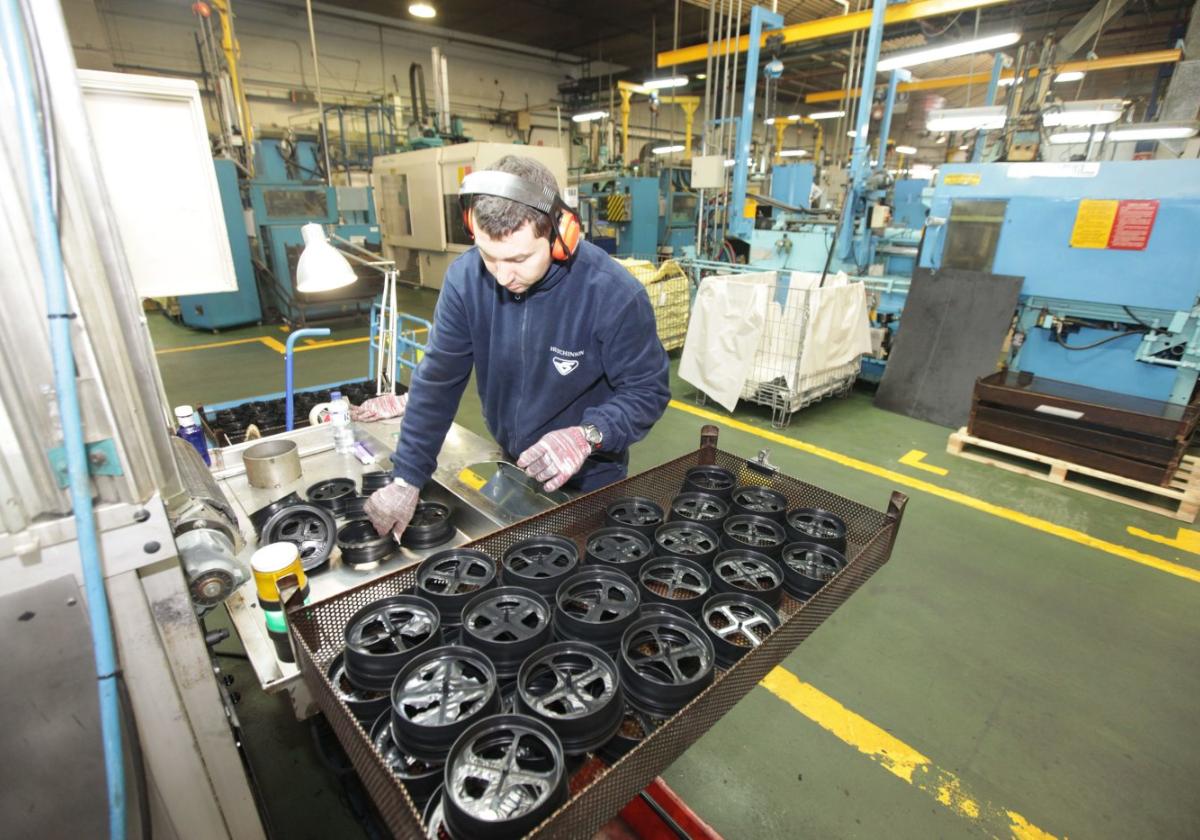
(1182, 495)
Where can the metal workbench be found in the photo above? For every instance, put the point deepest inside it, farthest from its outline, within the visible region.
(484, 492)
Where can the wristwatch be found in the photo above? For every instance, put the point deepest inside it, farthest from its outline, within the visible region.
(592, 435)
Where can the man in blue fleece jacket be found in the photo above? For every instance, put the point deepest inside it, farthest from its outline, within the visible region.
(563, 341)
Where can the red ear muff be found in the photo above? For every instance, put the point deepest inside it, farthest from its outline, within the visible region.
(466, 220)
(567, 240)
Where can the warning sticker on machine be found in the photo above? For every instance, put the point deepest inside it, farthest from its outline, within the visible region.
(962, 179)
(1093, 222)
(1108, 223)
(1135, 220)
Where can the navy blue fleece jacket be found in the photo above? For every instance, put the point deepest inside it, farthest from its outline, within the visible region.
(579, 347)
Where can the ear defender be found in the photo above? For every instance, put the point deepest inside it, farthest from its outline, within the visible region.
(567, 241)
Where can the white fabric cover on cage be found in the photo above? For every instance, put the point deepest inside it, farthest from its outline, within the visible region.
(728, 318)
(839, 328)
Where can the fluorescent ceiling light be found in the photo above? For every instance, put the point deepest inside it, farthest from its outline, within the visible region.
(827, 115)
(769, 121)
(659, 84)
(1064, 138)
(588, 116)
(666, 150)
(422, 10)
(1087, 112)
(852, 133)
(964, 148)
(701, 76)
(1069, 76)
(924, 56)
(906, 150)
(730, 161)
(321, 267)
(983, 118)
(941, 138)
(1179, 130)
(793, 153)
(795, 117)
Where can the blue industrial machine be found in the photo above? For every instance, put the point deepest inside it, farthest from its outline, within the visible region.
(791, 183)
(288, 192)
(620, 214)
(228, 309)
(1112, 280)
(679, 207)
(909, 207)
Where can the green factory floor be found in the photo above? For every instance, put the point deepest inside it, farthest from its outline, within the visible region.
(1025, 665)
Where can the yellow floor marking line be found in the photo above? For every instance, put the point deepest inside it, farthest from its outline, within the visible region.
(897, 757)
(914, 458)
(209, 346)
(321, 345)
(1185, 539)
(1011, 515)
(275, 344)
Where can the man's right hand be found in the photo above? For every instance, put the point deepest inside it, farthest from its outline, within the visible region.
(383, 407)
(391, 508)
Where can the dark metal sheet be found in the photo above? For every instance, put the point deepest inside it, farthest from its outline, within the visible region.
(952, 329)
(52, 776)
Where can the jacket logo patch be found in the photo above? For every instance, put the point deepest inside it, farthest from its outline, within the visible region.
(565, 366)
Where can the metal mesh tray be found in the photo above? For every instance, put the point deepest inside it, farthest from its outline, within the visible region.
(317, 634)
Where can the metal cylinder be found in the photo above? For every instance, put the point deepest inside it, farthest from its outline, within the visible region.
(272, 463)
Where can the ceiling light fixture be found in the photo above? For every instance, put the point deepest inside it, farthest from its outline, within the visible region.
(422, 10)
(659, 84)
(701, 76)
(1177, 130)
(983, 118)
(906, 150)
(793, 153)
(1068, 76)
(924, 56)
(827, 115)
(666, 150)
(588, 116)
(1086, 112)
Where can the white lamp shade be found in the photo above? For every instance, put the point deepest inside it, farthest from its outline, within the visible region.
(322, 267)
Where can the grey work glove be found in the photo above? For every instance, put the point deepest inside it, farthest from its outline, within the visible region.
(383, 407)
(391, 508)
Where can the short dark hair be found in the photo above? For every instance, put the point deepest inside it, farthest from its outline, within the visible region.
(498, 217)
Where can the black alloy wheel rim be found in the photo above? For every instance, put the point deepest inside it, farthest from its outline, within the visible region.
(373, 481)
(690, 540)
(437, 695)
(623, 549)
(750, 573)
(664, 663)
(383, 636)
(654, 608)
(539, 563)
(364, 704)
(634, 728)
(756, 533)
(636, 513)
(596, 605)
(361, 546)
(574, 688)
(675, 580)
(329, 492)
(307, 526)
(451, 578)
(699, 507)
(737, 624)
(809, 566)
(434, 815)
(431, 525)
(503, 776)
(422, 778)
(814, 525)
(507, 623)
(716, 481)
(351, 507)
(258, 519)
(757, 500)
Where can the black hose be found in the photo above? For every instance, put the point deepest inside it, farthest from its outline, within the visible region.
(1065, 346)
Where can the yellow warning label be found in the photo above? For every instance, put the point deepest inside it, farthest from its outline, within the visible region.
(1094, 222)
(749, 209)
(961, 179)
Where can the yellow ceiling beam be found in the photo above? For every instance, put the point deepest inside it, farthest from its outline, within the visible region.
(1116, 62)
(826, 27)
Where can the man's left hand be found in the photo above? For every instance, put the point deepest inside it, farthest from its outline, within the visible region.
(556, 457)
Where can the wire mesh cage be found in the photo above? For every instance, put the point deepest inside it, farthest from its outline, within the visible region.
(789, 371)
(670, 297)
(599, 793)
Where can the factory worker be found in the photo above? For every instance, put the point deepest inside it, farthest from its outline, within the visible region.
(563, 341)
